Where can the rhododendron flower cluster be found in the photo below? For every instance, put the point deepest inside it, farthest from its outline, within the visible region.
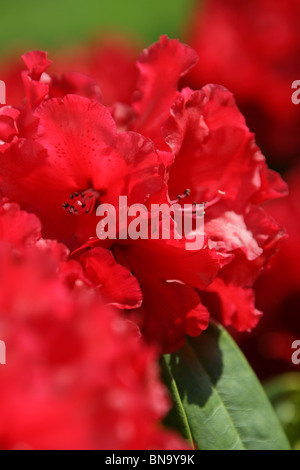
(63, 154)
(253, 48)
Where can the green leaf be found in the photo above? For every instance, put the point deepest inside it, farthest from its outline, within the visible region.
(218, 401)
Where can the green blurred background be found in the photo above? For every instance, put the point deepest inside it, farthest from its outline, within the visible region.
(26, 24)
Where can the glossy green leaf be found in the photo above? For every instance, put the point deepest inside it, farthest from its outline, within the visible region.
(218, 401)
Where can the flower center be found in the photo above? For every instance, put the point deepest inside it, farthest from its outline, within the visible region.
(82, 202)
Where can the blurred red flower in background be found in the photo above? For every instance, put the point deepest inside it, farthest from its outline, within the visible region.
(111, 61)
(253, 48)
(79, 376)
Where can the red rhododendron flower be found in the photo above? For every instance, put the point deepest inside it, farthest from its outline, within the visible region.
(217, 159)
(233, 178)
(253, 48)
(65, 171)
(168, 274)
(116, 284)
(70, 154)
(79, 376)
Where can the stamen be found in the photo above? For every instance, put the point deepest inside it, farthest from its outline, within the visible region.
(83, 202)
(214, 201)
(186, 194)
(198, 208)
